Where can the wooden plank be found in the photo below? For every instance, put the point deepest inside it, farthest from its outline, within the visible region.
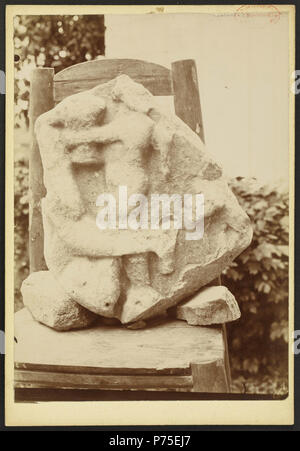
(83, 76)
(41, 100)
(100, 382)
(186, 95)
(99, 370)
(43, 387)
(170, 345)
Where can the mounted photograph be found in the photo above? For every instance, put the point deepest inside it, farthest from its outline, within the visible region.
(149, 219)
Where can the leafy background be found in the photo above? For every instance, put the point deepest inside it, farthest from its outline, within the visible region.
(258, 342)
(259, 280)
(52, 41)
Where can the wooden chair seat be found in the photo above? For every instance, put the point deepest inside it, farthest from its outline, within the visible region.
(170, 356)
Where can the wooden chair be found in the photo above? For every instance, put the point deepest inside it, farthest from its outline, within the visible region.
(194, 358)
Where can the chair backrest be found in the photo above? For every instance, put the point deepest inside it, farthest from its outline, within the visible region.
(47, 89)
(181, 81)
(82, 76)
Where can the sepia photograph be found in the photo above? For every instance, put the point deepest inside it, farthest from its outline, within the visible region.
(152, 183)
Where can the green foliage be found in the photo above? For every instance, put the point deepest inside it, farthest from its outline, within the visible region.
(259, 280)
(261, 384)
(52, 41)
(21, 227)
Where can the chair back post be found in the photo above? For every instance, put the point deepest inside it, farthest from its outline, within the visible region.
(41, 100)
(186, 95)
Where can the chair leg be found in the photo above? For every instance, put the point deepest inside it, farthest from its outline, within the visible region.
(226, 357)
(210, 377)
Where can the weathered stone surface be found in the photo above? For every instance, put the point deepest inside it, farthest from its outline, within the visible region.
(50, 305)
(212, 305)
(115, 135)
